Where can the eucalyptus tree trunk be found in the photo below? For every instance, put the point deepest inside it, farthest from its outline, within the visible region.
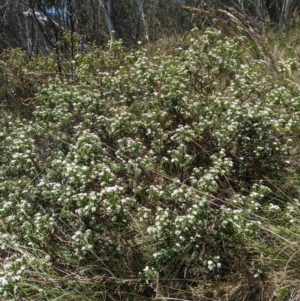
(279, 10)
(107, 8)
(285, 11)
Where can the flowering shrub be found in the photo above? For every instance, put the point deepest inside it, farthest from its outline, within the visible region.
(136, 166)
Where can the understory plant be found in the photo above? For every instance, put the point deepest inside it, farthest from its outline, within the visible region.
(140, 176)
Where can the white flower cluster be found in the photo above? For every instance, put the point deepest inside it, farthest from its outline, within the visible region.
(11, 274)
(212, 264)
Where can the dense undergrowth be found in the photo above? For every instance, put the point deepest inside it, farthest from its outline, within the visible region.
(131, 176)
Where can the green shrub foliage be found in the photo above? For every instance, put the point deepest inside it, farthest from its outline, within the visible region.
(140, 167)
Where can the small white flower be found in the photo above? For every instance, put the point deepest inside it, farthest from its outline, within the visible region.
(3, 281)
(48, 258)
(146, 269)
